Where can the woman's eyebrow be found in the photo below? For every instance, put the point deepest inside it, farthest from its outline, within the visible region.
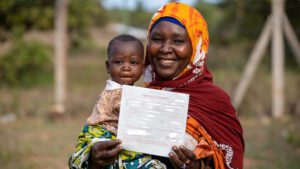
(154, 33)
(179, 34)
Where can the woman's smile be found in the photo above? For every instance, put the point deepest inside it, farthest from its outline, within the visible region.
(166, 62)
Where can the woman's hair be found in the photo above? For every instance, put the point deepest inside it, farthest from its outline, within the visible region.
(123, 38)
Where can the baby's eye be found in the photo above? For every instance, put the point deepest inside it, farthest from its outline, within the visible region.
(119, 62)
(134, 62)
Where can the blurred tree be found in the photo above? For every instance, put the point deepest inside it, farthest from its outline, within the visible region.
(26, 13)
(25, 64)
(241, 17)
(82, 16)
(37, 14)
(141, 16)
(245, 18)
(212, 14)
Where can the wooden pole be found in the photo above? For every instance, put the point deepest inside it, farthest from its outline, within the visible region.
(277, 59)
(255, 58)
(291, 38)
(60, 47)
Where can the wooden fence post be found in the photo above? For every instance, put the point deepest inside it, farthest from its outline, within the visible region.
(254, 60)
(60, 51)
(277, 59)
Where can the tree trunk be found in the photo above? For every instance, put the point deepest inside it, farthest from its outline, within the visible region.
(60, 51)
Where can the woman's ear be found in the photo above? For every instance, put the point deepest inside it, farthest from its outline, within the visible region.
(107, 66)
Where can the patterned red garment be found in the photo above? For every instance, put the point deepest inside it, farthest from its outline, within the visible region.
(209, 105)
(212, 109)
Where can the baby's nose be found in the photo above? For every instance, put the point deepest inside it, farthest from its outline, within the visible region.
(126, 67)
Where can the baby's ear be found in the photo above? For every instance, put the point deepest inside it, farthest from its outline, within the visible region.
(107, 66)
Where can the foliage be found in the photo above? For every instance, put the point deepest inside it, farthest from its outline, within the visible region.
(36, 14)
(141, 16)
(245, 18)
(138, 17)
(82, 16)
(292, 10)
(26, 14)
(25, 64)
(213, 16)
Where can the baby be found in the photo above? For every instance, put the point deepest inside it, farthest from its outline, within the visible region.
(125, 66)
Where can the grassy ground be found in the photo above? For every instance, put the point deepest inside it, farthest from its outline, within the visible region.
(39, 143)
(34, 141)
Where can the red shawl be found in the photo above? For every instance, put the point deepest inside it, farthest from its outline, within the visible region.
(212, 108)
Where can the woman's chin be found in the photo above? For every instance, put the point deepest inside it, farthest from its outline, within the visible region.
(166, 76)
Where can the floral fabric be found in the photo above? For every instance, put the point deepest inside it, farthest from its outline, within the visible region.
(90, 135)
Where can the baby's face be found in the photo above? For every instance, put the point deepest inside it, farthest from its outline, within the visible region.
(126, 62)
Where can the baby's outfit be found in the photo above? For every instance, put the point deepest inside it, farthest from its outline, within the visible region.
(107, 107)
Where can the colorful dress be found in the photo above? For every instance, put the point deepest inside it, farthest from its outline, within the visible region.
(90, 135)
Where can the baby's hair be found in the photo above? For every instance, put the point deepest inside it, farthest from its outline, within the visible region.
(124, 38)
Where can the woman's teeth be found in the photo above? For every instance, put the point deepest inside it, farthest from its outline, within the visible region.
(166, 61)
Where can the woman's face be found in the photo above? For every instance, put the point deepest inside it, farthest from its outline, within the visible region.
(170, 49)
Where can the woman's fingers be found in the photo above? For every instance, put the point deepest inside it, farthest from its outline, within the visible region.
(176, 162)
(188, 153)
(183, 158)
(180, 154)
(112, 153)
(107, 149)
(105, 145)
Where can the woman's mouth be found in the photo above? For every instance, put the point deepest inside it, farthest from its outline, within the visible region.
(166, 62)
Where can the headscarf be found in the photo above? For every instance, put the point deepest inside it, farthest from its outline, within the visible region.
(211, 113)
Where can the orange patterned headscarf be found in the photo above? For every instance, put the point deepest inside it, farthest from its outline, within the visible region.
(196, 27)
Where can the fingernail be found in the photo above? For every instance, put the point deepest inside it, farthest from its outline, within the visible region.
(175, 148)
(181, 146)
(171, 154)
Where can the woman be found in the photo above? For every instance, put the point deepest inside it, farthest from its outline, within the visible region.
(175, 61)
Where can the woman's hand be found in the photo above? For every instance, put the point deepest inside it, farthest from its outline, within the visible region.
(184, 158)
(104, 153)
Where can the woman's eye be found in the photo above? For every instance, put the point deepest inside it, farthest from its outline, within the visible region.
(178, 41)
(156, 39)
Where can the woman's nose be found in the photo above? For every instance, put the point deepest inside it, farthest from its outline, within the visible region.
(166, 47)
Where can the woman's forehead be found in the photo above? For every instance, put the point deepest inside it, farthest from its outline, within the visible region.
(168, 27)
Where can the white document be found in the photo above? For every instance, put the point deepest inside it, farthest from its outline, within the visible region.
(152, 121)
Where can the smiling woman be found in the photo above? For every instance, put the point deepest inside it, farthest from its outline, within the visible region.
(176, 61)
(169, 49)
